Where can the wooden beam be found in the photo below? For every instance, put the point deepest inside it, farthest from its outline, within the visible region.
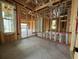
(47, 4)
(22, 5)
(18, 3)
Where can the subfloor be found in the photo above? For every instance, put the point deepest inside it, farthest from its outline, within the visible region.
(34, 48)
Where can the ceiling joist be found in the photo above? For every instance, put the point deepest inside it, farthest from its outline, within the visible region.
(22, 5)
(47, 4)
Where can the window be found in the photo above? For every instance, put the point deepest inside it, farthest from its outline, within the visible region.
(8, 15)
(53, 24)
(8, 25)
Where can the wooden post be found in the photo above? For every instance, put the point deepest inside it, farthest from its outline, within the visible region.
(73, 22)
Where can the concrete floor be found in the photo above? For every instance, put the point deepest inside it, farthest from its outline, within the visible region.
(34, 48)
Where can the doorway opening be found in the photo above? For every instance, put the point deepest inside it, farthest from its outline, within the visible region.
(24, 30)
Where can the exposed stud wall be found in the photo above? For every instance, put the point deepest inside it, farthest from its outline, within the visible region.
(3, 36)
